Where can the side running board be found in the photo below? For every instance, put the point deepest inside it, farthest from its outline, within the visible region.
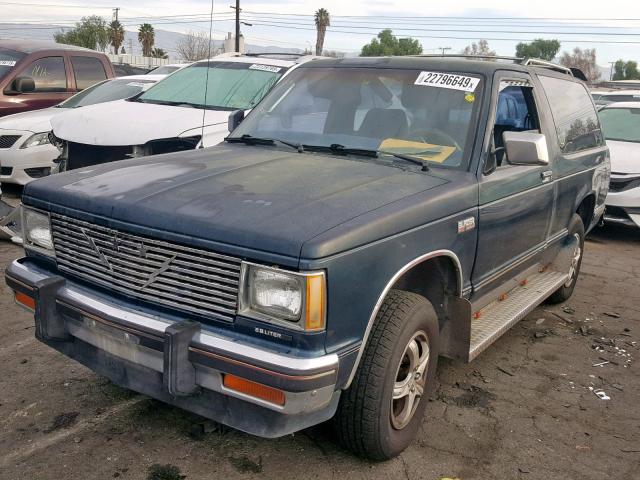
(493, 320)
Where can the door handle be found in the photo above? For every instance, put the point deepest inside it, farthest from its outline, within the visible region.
(546, 176)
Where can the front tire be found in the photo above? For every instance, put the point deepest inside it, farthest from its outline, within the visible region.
(380, 413)
(576, 232)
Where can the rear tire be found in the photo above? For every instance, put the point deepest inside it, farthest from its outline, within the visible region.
(400, 361)
(576, 230)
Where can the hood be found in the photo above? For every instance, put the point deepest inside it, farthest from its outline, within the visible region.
(255, 198)
(123, 122)
(36, 121)
(625, 156)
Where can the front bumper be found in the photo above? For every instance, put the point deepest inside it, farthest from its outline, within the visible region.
(22, 165)
(623, 204)
(177, 362)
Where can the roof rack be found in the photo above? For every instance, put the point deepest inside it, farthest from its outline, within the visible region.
(532, 62)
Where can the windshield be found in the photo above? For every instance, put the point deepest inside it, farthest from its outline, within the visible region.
(166, 70)
(423, 114)
(107, 91)
(231, 86)
(8, 59)
(621, 124)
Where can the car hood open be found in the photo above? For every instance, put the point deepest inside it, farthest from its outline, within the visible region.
(125, 122)
(257, 198)
(36, 121)
(625, 156)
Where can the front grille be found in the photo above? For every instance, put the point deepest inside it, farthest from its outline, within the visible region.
(162, 273)
(6, 170)
(621, 184)
(7, 141)
(616, 212)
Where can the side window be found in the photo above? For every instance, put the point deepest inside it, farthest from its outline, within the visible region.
(576, 120)
(516, 112)
(48, 74)
(88, 71)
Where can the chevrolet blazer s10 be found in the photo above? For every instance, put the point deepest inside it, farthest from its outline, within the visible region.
(368, 216)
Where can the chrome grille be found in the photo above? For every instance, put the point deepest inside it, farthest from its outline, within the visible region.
(163, 273)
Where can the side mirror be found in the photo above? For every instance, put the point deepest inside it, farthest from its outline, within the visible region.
(235, 118)
(526, 148)
(24, 85)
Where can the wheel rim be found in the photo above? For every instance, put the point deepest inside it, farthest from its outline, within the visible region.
(575, 261)
(410, 380)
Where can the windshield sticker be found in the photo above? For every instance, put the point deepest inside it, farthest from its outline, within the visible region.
(7, 63)
(265, 68)
(425, 151)
(470, 97)
(447, 80)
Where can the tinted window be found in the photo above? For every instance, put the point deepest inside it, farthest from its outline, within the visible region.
(107, 91)
(8, 59)
(621, 98)
(621, 124)
(87, 70)
(231, 85)
(48, 74)
(574, 115)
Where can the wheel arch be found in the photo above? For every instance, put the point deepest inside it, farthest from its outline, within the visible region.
(445, 267)
(586, 209)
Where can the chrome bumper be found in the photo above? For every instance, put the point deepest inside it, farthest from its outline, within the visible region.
(177, 362)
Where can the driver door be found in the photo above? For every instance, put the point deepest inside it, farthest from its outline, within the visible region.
(516, 203)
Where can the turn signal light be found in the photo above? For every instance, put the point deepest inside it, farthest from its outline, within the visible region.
(253, 389)
(25, 300)
(315, 315)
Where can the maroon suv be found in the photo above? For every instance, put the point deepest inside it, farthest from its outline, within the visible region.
(35, 74)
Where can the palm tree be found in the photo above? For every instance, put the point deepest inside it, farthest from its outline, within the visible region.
(322, 22)
(159, 53)
(146, 37)
(115, 31)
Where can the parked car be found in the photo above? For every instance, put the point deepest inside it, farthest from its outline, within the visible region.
(182, 118)
(621, 127)
(25, 150)
(368, 216)
(605, 98)
(35, 74)
(125, 70)
(167, 69)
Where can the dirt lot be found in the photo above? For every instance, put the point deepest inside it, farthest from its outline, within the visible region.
(523, 410)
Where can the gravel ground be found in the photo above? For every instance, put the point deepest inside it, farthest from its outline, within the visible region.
(523, 410)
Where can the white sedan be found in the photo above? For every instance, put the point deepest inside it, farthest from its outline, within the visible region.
(621, 127)
(25, 150)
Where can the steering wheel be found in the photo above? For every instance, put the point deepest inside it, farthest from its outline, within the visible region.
(435, 137)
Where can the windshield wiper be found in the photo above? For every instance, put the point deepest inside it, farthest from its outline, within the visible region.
(342, 150)
(251, 140)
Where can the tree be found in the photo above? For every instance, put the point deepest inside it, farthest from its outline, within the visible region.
(585, 60)
(159, 53)
(194, 46)
(626, 70)
(481, 49)
(539, 48)
(322, 21)
(146, 37)
(388, 44)
(115, 32)
(90, 32)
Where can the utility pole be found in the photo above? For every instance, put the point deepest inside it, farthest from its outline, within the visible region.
(115, 13)
(444, 49)
(238, 10)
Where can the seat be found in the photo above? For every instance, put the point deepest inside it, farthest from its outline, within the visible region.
(384, 123)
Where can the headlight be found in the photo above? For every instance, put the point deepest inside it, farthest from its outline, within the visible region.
(36, 140)
(286, 298)
(36, 232)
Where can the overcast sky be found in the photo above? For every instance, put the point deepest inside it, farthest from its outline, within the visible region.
(526, 20)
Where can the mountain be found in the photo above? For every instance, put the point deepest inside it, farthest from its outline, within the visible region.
(164, 39)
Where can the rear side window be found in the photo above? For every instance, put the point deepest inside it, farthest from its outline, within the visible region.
(573, 112)
(88, 71)
(48, 74)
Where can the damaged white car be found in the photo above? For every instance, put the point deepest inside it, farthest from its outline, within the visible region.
(188, 109)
